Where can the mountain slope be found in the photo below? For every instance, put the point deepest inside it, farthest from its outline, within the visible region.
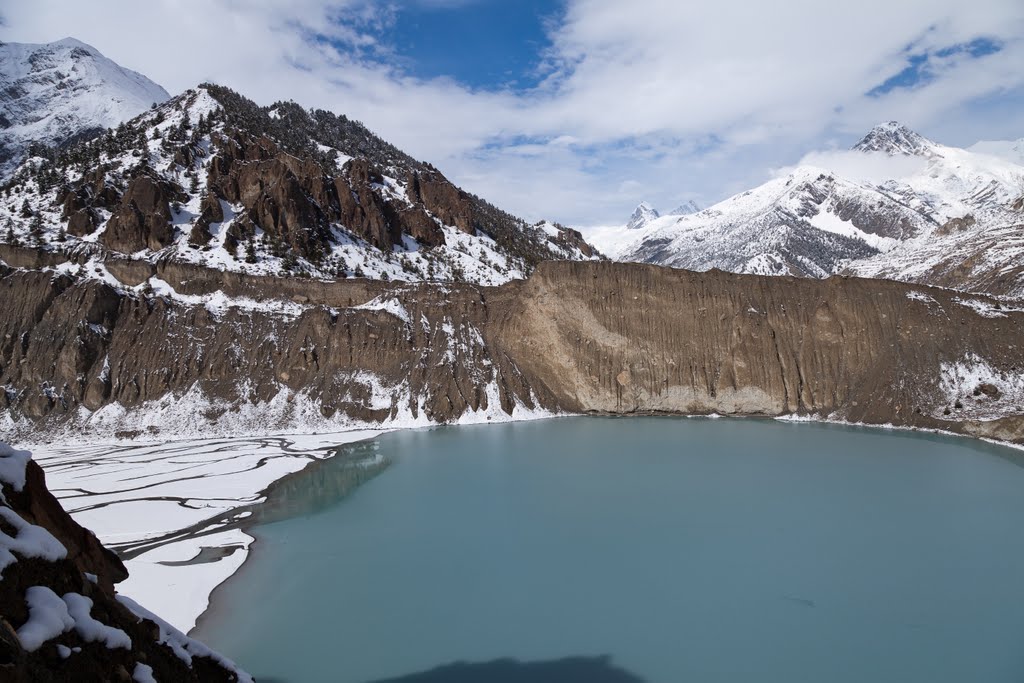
(210, 178)
(946, 216)
(54, 93)
(1010, 150)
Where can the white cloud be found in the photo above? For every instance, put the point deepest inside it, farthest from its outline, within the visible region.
(651, 99)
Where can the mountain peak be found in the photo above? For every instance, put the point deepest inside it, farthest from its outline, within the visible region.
(642, 215)
(57, 91)
(893, 138)
(686, 208)
(72, 42)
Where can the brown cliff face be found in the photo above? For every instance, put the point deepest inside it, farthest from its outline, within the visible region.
(596, 337)
(620, 339)
(437, 195)
(88, 570)
(294, 200)
(143, 219)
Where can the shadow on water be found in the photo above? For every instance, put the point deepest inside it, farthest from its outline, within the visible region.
(567, 670)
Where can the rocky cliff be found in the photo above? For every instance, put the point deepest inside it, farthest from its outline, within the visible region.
(210, 178)
(60, 619)
(170, 349)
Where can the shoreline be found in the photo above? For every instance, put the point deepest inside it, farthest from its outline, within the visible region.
(163, 569)
(160, 536)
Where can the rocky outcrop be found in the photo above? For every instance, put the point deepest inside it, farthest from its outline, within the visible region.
(210, 177)
(954, 225)
(60, 619)
(438, 196)
(143, 220)
(598, 337)
(210, 212)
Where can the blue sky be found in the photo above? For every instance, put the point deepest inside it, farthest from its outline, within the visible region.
(490, 44)
(576, 110)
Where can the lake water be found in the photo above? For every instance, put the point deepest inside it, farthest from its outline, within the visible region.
(660, 550)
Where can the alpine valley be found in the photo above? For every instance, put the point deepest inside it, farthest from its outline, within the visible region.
(185, 276)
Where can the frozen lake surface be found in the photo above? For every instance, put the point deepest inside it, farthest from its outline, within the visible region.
(643, 549)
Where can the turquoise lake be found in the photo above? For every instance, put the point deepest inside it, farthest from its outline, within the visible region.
(655, 550)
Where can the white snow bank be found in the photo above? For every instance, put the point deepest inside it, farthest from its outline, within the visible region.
(218, 302)
(48, 618)
(143, 673)
(387, 305)
(140, 494)
(31, 541)
(12, 466)
(91, 630)
(177, 591)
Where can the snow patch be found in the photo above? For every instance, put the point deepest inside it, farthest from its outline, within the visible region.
(143, 673)
(48, 618)
(91, 630)
(974, 389)
(30, 541)
(986, 309)
(12, 466)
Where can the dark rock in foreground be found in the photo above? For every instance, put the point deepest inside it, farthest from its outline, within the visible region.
(60, 619)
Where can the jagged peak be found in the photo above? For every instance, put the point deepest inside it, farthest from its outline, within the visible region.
(686, 208)
(892, 137)
(643, 214)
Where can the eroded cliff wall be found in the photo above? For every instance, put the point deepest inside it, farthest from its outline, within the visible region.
(575, 337)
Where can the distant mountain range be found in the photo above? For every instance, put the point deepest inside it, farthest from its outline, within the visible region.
(898, 206)
(210, 178)
(56, 93)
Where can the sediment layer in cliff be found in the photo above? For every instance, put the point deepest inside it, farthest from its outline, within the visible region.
(575, 337)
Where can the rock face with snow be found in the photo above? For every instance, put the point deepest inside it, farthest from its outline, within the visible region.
(210, 178)
(894, 138)
(60, 619)
(205, 347)
(56, 93)
(685, 209)
(642, 215)
(945, 216)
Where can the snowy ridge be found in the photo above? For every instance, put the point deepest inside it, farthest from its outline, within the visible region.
(476, 257)
(642, 215)
(60, 90)
(925, 213)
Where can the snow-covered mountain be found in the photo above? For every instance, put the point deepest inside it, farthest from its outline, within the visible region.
(210, 178)
(643, 214)
(1011, 150)
(924, 212)
(57, 92)
(685, 209)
